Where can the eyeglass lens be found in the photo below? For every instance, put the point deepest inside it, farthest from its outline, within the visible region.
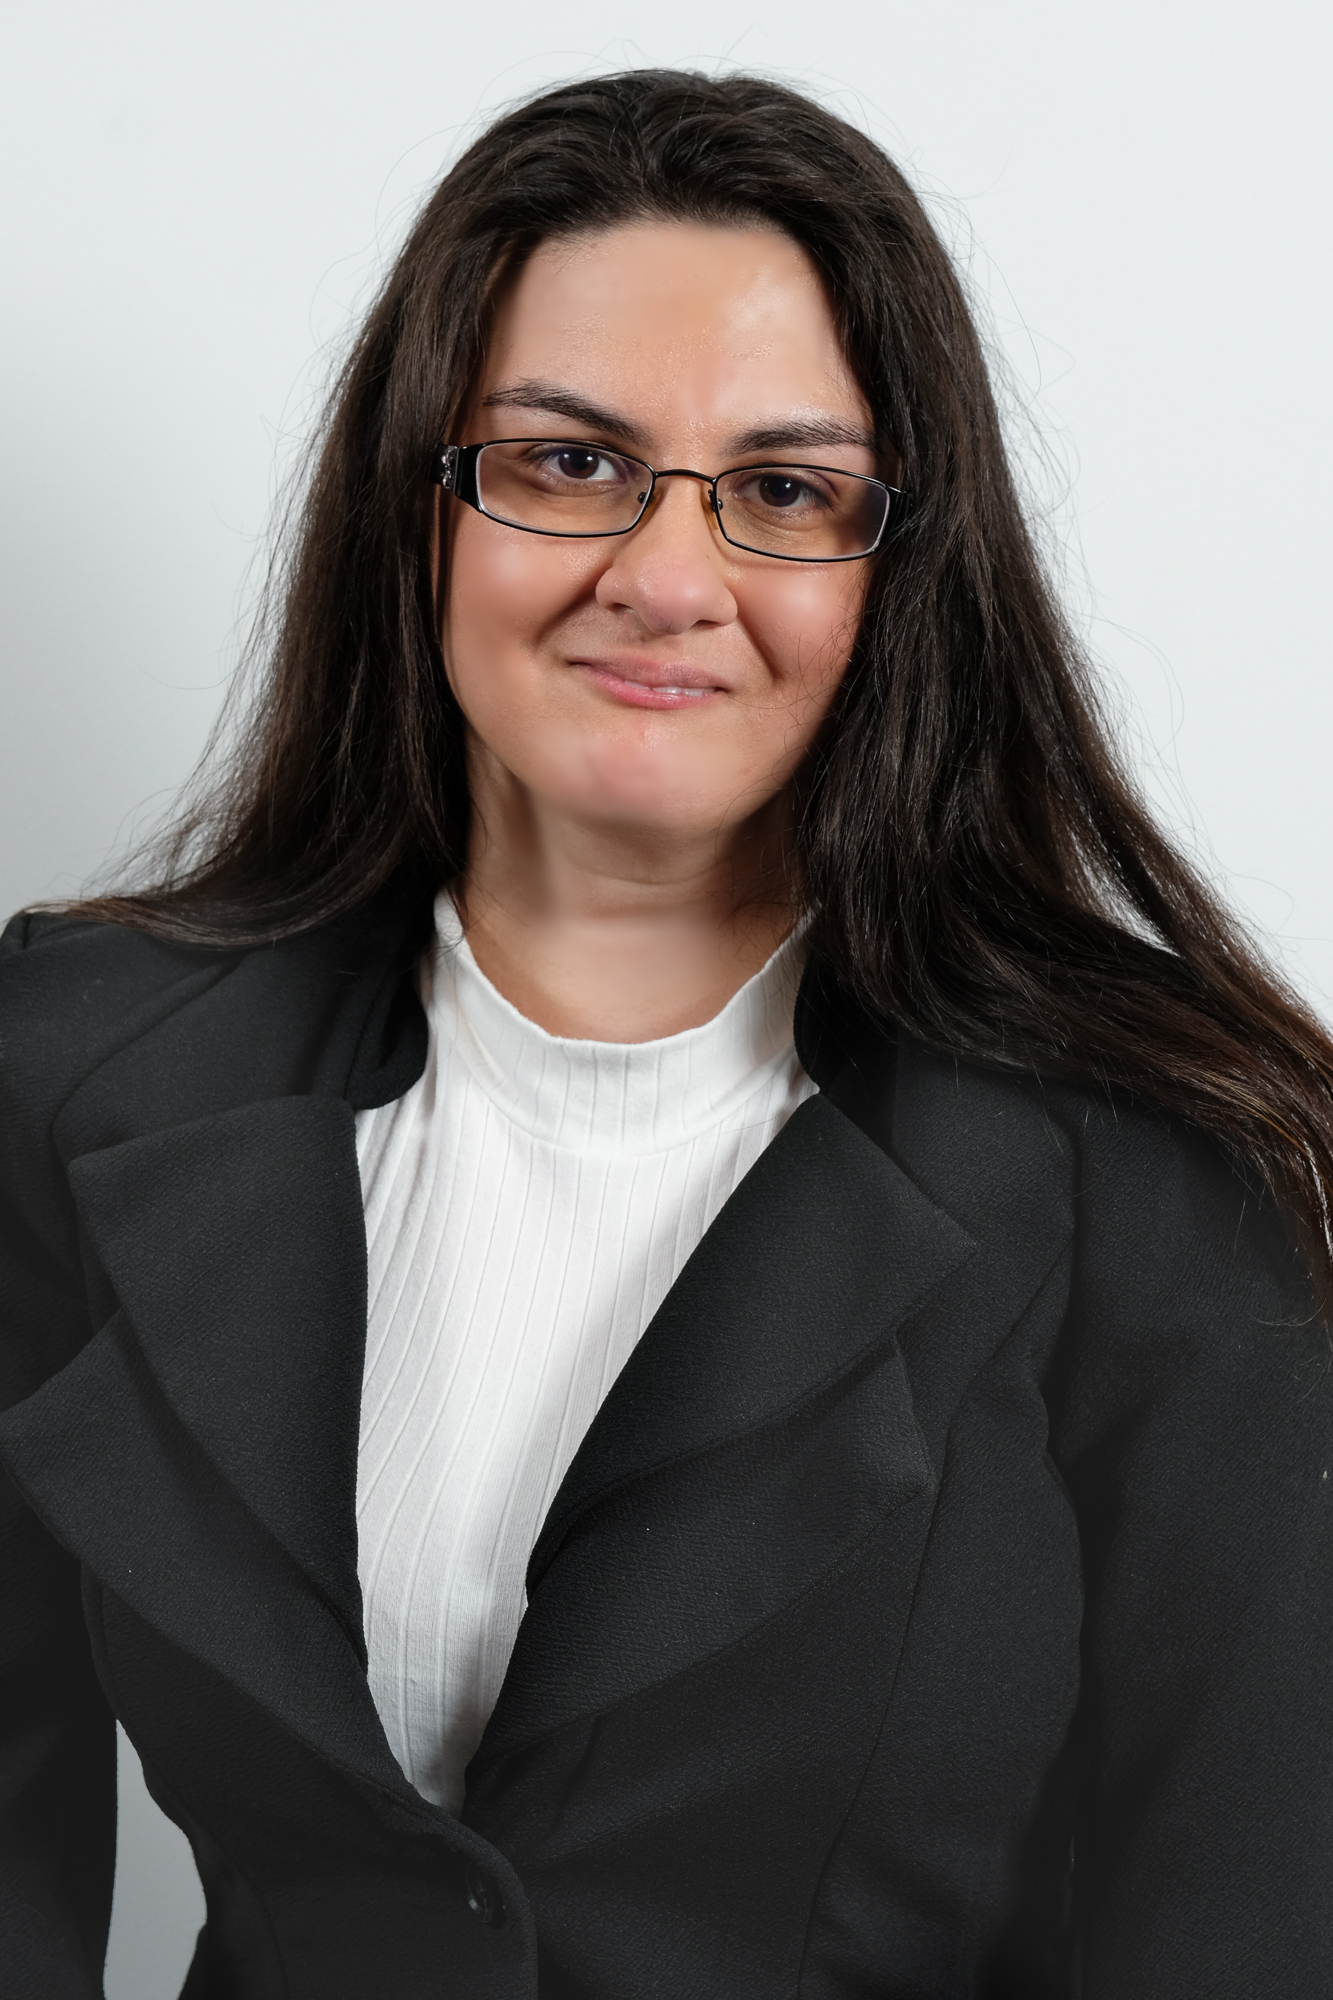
(813, 513)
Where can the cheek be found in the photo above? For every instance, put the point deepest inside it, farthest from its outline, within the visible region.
(504, 590)
(804, 623)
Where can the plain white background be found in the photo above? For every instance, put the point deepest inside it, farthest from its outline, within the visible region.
(198, 199)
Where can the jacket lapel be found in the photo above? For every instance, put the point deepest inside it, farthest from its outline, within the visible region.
(99, 1455)
(236, 1248)
(988, 1144)
(762, 1426)
(820, 1253)
(199, 1454)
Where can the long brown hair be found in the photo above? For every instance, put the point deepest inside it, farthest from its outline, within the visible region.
(977, 864)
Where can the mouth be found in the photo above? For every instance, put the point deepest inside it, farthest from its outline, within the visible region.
(651, 684)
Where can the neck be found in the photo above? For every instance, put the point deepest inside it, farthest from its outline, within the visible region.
(617, 932)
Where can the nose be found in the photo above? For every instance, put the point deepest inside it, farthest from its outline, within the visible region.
(669, 570)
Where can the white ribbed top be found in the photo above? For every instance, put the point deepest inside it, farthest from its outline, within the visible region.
(529, 1203)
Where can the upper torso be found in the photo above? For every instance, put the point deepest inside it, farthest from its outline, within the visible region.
(939, 1598)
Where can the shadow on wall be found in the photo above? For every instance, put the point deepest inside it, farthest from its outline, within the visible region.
(159, 1904)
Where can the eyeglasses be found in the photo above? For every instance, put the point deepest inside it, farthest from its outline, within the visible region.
(559, 486)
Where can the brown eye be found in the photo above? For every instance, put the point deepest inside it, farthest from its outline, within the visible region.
(576, 463)
(777, 489)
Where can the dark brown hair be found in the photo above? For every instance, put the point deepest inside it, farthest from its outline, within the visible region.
(977, 864)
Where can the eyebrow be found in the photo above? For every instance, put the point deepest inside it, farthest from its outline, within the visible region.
(556, 402)
(795, 434)
(802, 432)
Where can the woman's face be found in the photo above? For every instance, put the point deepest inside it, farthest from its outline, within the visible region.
(660, 680)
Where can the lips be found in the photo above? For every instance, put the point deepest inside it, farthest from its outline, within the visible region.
(651, 683)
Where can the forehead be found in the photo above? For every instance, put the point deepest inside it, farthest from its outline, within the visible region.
(688, 323)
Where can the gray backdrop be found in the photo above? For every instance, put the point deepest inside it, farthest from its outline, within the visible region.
(199, 198)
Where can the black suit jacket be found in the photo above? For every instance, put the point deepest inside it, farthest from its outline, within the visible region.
(941, 1604)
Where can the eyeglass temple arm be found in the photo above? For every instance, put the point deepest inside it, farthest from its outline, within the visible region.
(454, 467)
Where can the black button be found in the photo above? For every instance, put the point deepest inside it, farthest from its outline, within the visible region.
(483, 1898)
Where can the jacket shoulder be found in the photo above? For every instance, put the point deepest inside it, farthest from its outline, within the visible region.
(52, 945)
(71, 994)
(183, 1030)
(72, 991)
(1177, 1223)
(1167, 1221)
(1191, 1334)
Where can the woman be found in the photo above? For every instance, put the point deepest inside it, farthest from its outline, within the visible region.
(909, 1440)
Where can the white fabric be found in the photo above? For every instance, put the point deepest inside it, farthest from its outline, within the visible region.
(528, 1203)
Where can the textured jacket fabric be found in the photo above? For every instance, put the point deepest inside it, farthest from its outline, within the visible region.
(940, 1606)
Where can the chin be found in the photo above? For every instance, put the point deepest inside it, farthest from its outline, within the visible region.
(630, 788)
(645, 810)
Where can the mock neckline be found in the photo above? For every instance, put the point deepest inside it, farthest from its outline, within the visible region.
(627, 1098)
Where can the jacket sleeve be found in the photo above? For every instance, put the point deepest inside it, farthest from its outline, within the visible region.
(57, 1735)
(1195, 1433)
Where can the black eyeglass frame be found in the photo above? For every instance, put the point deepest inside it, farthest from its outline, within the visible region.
(454, 467)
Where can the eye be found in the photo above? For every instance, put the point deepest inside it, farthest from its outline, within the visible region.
(581, 464)
(779, 489)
